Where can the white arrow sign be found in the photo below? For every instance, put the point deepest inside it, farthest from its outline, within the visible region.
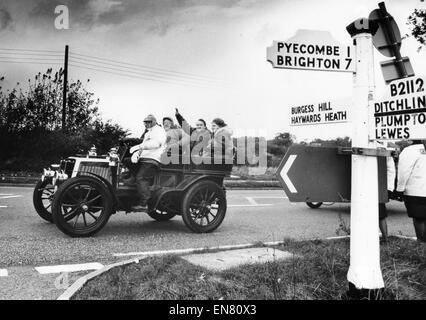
(285, 170)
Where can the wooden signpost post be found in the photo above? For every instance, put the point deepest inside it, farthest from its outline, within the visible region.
(402, 115)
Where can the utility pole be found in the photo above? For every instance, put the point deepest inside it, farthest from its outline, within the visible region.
(64, 92)
(364, 274)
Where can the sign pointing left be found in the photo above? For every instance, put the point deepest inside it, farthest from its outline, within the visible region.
(284, 173)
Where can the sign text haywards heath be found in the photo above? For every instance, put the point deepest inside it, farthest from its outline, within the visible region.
(319, 113)
(402, 114)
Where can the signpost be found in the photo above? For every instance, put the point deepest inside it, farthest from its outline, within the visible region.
(326, 112)
(311, 50)
(401, 114)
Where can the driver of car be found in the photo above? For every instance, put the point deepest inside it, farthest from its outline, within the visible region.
(147, 155)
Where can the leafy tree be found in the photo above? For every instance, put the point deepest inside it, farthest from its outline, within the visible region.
(40, 107)
(31, 134)
(281, 142)
(417, 21)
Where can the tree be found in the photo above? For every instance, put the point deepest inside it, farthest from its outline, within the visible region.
(417, 21)
(281, 142)
(40, 107)
(31, 134)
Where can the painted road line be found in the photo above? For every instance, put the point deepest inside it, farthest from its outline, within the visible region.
(251, 201)
(9, 197)
(269, 197)
(69, 268)
(249, 205)
(3, 206)
(3, 273)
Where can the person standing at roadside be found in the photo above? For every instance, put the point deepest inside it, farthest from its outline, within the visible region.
(391, 175)
(412, 184)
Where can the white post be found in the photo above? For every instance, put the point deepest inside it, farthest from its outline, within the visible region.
(364, 271)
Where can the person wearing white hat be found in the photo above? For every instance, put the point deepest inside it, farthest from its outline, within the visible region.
(148, 155)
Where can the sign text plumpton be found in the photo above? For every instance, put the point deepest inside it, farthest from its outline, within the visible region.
(402, 114)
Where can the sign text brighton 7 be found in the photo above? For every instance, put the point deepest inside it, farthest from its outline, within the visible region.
(313, 51)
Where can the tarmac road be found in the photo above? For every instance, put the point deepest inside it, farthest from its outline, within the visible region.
(27, 241)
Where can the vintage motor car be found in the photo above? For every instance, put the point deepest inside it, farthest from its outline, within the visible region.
(81, 193)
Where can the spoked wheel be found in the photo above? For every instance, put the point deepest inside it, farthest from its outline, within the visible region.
(164, 212)
(42, 199)
(314, 205)
(82, 206)
(204, 206)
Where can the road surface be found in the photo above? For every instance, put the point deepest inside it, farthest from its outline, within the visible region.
(27, 242)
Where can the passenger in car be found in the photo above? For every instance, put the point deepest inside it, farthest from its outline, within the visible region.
(177, 142)
(221, 145)
(200, 135)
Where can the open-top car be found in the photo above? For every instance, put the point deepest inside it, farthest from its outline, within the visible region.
(82, 192)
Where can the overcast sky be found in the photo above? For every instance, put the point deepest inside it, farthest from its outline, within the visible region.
(213, 54)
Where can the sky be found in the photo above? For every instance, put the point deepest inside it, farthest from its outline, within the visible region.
(208, 58)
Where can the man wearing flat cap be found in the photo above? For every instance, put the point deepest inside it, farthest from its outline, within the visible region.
(148, 155)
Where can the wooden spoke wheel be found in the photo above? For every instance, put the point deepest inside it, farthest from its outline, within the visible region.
(204, 206)
(82, 206)
(42, 199)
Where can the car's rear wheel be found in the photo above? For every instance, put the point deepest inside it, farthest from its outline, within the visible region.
(82, 206)
(42, 199)
(314, 205)
(204, 206)
(165, 210)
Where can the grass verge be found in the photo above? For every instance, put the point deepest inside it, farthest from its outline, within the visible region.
(317, 271)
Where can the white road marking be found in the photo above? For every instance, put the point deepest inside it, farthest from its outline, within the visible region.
(3, 273)
(69, 268)
(251, 201)
(269, 197)
(249, 205)
(3, 206)
(9, 197)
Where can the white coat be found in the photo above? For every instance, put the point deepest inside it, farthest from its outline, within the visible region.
(391, 173)
(152, 146)
(412, 171)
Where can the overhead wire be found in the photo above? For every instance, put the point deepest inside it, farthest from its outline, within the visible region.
(135, 76)
(151, 76)
(154, 69)
(83, 61)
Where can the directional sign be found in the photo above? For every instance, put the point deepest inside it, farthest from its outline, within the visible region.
(326, 112)
(391, 69)
(387, 38)
(312, 50)
(401, 114)
(319, 174)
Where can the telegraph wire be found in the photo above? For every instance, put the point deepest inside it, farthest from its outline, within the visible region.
(30, 50)
(104, 60)
(141, 73)
(136, 76)
(30, 62)
(30, 58)
(153, 72)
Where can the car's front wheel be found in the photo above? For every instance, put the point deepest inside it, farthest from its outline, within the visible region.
(42, 199)
(82, 206)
